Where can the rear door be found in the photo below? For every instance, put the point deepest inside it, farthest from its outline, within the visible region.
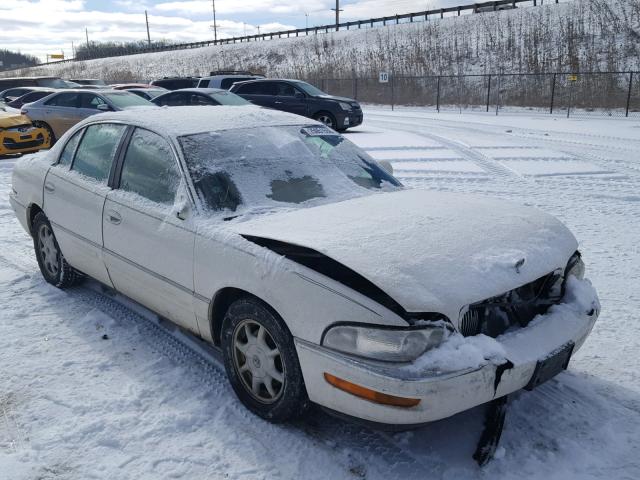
(74, 194)
(260, 93)
(148, 232)
(61, 112)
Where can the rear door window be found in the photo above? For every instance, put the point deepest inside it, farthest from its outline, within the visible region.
(173, 99)
(70, 149)
(97, 149)
(70, 99)
(258, 88)
(150, 168)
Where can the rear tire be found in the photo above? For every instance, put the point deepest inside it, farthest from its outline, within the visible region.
(53, 265)
(261, 361)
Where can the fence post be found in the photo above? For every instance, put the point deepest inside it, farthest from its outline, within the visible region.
(570, 95)
(392, 92)
(499, 92)
(553, 92)
(438, 96)
(488, 92)
(629, 93)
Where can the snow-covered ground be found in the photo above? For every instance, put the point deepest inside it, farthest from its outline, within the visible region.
(92, 387)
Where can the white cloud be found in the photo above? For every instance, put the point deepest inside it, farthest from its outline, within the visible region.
(46, 26)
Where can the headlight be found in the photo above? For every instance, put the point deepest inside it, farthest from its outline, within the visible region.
(345, 106)
(386, 344)
(575, 266)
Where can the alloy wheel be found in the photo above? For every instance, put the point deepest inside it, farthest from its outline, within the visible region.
(258, 361)
(48, 251)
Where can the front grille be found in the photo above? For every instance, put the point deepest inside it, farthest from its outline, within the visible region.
(513, 309)
(11, 144)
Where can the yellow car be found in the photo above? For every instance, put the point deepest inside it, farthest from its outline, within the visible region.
(18, 135)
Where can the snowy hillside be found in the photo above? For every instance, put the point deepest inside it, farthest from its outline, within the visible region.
(581, 35)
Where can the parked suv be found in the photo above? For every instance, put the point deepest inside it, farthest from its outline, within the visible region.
(175, 83)
(303, 99)
(226, 78)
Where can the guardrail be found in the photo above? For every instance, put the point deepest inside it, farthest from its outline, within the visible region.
(424, 15)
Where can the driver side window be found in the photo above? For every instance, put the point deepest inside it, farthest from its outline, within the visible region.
(150, 168)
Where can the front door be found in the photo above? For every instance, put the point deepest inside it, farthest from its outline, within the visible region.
(74, 197)
(290, 99)
(148, 234)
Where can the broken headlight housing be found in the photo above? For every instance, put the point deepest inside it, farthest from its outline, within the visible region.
(575, 267)
(386, 344)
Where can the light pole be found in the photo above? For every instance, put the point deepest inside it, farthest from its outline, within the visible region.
(337, 10)
(306, 21)
(215, 27)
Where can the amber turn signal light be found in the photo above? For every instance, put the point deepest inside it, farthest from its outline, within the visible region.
(371, 395)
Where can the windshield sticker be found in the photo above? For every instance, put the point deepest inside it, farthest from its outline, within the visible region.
(318, 131)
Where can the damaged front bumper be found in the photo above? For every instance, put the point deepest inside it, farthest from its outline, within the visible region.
(443, 394)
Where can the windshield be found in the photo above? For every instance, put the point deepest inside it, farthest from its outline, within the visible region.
(260, 169)
(228, 98)
(124, 100)
(311, 90)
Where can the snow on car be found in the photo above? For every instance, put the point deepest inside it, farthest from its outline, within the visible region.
(314, 271)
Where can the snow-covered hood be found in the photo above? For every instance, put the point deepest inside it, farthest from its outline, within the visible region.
(430, 251)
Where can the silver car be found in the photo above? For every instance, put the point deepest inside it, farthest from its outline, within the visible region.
(62, 110)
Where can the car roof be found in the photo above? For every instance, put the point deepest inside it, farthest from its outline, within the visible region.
(199, 90)
(188, 120)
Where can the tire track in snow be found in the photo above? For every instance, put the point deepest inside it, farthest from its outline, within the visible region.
(491, 166)
(536, 138)
(370, 448)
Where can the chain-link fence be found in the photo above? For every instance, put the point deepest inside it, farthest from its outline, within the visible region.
(592, 93)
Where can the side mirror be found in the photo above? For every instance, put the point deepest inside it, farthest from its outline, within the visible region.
(386, 166)
(103, 107)
(299, 95)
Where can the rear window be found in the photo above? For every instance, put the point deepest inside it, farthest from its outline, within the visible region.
(126, 100)
(52, 83)
(228, 98)
(227, 82)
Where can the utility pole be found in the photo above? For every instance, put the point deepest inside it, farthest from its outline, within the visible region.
(215, 27)
(146, 18)
(86, 32)
(306, 21)
(73, 50)
(337, 10)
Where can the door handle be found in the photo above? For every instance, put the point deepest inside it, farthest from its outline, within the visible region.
(49, 187)
(278, 103)
(114, 217)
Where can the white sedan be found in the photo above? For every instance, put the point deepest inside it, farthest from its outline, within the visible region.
(319, 276)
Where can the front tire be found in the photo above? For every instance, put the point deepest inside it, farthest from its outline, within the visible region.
(53, 265)
(261, 361)
(44, 125)
(327, 118)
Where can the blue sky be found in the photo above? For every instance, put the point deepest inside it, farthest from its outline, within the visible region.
(50, 26)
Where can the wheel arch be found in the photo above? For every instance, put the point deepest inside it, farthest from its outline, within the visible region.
(221, 302)
(33, 210)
